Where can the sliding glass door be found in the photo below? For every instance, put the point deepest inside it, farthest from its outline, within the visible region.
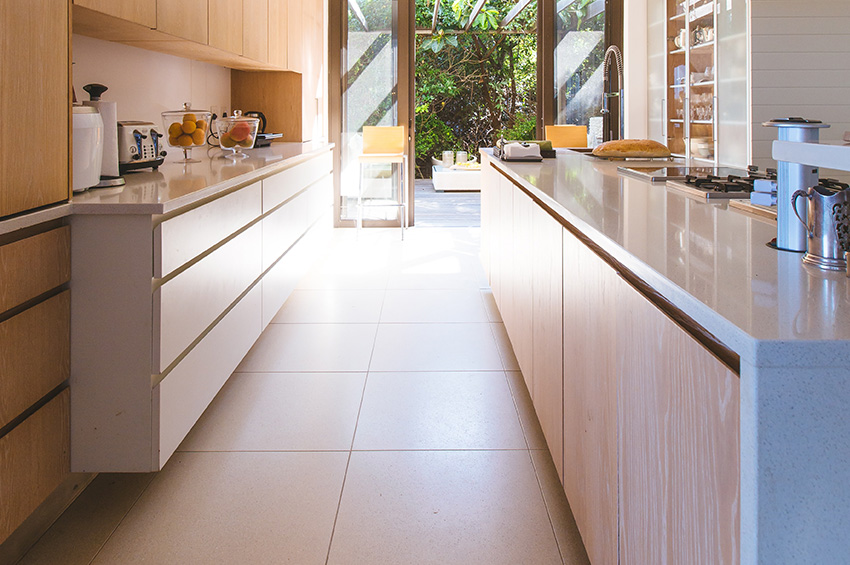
(375, 79)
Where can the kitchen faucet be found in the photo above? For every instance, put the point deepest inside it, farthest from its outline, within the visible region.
(608, 129)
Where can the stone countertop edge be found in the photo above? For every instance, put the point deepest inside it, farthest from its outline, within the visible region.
(772, 352)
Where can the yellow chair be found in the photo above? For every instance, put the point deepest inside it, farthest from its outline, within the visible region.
(385, 145)
(567, 136)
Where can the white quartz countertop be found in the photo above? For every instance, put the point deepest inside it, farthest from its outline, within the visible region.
(708, 259)
(174, 185)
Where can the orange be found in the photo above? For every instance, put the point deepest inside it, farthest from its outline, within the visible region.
(198, 136)
(172, 139)
(189, 126)
(184, 140)
(189, 118)
(226, 141)
(175, 129)
(202, 124)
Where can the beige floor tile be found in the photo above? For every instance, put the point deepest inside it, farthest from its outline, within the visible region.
(527, 416)
(438, 411)
(506, 350)
(311, 348)
(435, 347)
(233, 508)
(490, 305)
(280, 412)
(331, 307)
(433, 306)
(77, 536)
(563, 522)
(442, 507)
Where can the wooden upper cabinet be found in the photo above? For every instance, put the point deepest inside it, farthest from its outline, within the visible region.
(183, 18)
(225, 30)
(294, 37)
(255, 37)
(137, 11)
(35, 89)
(278, 33)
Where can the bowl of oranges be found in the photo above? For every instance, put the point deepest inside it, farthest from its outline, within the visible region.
(187, 128)
(237, 133)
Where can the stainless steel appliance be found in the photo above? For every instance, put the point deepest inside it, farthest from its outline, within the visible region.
(790, 235)
(656, 173)
(139, 146)
(722, 183)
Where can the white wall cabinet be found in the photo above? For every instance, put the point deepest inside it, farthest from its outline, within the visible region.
(166, 307)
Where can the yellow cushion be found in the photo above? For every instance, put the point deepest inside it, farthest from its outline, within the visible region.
(383, 139)
(567, 136)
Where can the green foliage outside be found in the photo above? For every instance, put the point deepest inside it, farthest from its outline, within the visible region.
(473, 87)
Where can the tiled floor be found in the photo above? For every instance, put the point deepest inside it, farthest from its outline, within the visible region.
(379, 419)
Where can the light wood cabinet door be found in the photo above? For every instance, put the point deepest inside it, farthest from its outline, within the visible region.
(295, 36)
(520, 329)
(35, 265)
(590, 398)
(547, 391)
(255, 36)
(137, 11)
(188, 19)
(34, 460)
(226, 26)
(35, 97)
(278, 33)
(35, 354)
(679, 446)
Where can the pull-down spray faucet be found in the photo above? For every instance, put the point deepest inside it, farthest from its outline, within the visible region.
(608, 128)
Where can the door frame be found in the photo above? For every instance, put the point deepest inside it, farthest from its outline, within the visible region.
(406, 51)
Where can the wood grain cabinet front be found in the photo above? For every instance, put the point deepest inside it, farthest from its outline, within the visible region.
(188, 19)
(226, 27)
(34, 460)
(137, 11)
(278, 33)
(255, 35)
(32, 266)
(35, 85)
(35, 353)
(679, 443)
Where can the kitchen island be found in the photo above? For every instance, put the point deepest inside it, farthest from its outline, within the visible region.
(691, 382)
(173, 277)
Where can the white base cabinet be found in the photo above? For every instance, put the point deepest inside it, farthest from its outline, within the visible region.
(165, 307)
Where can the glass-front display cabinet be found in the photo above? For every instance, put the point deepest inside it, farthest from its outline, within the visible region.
(691, 108)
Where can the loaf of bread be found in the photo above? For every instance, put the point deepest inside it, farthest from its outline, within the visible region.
(622, 148)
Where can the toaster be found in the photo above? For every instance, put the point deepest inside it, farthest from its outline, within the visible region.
(139, 146)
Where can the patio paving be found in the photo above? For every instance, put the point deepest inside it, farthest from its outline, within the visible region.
(445, 209)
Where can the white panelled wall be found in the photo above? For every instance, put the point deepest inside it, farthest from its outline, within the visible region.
(800, 67)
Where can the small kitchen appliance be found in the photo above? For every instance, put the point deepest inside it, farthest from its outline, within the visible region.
(827, 224)
(790, 235)
(88, 147)
(263, 138)
(109, 174)
(139, 146)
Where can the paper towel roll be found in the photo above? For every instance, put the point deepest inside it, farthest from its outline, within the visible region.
(109, 115)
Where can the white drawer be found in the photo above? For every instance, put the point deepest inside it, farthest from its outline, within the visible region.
(282, 227)
(280, 187)
(187, 304)
(189, 388)
(184, 237)
(321, 198)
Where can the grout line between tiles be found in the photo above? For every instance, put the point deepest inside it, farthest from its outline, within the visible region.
(123, 517)
(546, 504)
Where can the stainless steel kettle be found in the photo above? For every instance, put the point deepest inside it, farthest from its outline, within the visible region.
(827, 228)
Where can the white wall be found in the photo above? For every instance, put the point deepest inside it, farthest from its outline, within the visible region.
(145, 83)
(800, 67)
(635, 72)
